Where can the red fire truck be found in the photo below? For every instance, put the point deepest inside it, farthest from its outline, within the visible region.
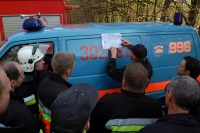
(55, 11)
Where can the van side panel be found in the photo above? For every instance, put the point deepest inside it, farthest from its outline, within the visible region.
(167, 44)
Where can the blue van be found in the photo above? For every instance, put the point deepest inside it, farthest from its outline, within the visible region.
(167, 44)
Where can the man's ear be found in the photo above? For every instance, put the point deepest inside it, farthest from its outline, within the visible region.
(87, 125)
(169, 95)
(187, 72)
(124, 84)
(134, 57)
(68, 72)
(147, 81)
(12, 82)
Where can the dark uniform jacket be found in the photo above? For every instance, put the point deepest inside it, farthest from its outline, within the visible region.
(16, 97)
(50, 87)
(122, 106)
(18, 115)
(117, 74)
(195, 112)
(175, 123)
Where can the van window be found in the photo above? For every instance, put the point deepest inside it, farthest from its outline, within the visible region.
(45, 47)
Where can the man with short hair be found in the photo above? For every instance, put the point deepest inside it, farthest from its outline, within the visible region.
(63, 64)
(138, 54)
(189, 66)
(71, 109)
(182, 93)
(17, 114)
(4, 90)
(128, 111)
(15, 74)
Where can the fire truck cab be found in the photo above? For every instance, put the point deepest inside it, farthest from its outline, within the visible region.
(55, 11)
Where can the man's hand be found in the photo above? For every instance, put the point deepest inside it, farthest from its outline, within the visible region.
(125, 43)
(113, 51)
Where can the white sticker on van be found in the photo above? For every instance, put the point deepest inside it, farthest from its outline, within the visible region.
(111, 39)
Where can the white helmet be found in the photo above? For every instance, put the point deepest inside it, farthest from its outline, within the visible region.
(28, 56)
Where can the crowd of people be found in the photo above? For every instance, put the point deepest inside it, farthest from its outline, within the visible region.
(33, 100)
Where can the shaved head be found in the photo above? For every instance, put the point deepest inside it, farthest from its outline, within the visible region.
(14, 72)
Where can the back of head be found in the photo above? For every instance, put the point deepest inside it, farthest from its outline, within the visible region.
(2, 74)
(62, 61)
(5, 88)
(186, 91)
(136, 77)
(71, 109)
(193, 65)
(10, 67)
(28, 56)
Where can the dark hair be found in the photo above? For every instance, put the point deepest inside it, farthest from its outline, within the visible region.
(136, 76)
(10, 69)
(186, 91)
(193, 65)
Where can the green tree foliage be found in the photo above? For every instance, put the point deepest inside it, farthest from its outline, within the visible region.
(135, 11)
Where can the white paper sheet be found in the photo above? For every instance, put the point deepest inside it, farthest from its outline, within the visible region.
(111, 39)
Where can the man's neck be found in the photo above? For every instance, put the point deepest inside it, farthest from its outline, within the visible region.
(64, 77)
(12, 89)
(133, 90)
(176, 110)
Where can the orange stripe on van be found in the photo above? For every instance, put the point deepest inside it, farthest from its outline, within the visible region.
(198, 78)
(152, 87)
(103, 92)
(158, 86)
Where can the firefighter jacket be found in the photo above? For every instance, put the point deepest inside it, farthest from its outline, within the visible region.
(18, 115)
(27, 91)
(175, 123)
(117, 73)
(48, 90)
(16, 97)
(123, 112)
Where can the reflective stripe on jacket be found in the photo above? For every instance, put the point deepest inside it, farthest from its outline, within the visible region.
(129, 124)
(30, 100)
(45, 116)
